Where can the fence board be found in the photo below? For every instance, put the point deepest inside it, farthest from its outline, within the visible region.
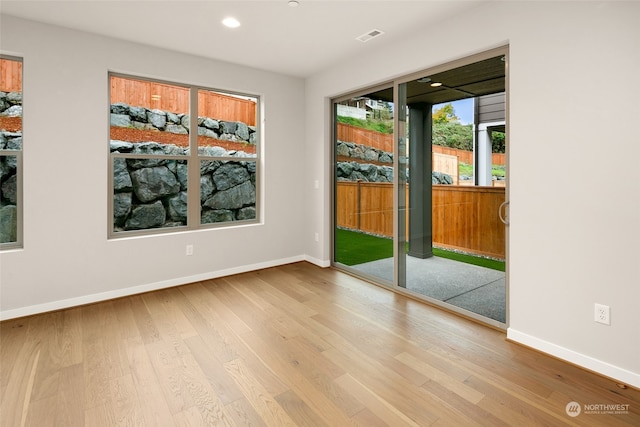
(376, 207)
(175, 99)
(466, 218)
(365, 206)
(446, 164)
(347, 196)
(465, 156)
(462, 155)
(10, 75)
(463, 217)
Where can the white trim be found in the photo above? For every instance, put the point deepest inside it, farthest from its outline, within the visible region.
(318, 262)
(614, 372)
(119, 293)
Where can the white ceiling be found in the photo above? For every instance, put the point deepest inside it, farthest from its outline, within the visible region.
(297, 41)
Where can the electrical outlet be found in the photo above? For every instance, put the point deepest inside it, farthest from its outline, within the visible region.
(602, 314)
(189, 250)
(317, 237)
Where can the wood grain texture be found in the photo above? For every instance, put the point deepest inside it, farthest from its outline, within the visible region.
(294, 345)
(175, 99)
(464, 217)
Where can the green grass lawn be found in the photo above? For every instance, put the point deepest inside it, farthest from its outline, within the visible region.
(467, 169)
(356, 248)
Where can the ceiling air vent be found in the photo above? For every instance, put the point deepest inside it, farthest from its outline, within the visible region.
(369, 35)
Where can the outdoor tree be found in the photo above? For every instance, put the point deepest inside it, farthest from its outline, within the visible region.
(445, 114)
(448, 131)
(497, 142)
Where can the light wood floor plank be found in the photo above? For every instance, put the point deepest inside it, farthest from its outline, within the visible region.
(243, 414)
(515, 403)
(299, 411)
(376, 404)
(435, 375)
(13, 334)
(494, 377)
(222, 342)
(172, 312)
(65, 410)
(153, 405)
(219, 379)
(265, 405)
(125, 402)
(326, 401)
(217, 300)
(458, 404)
(290, 345)
(95, 374)
(368, 418)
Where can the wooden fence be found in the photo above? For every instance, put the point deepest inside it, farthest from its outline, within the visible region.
(463, 218)
(446, 164)
(10, 75)
(467, 156)
(466, 218)
(462, 155)
(165, 97)
(153, 95)
(365, 206)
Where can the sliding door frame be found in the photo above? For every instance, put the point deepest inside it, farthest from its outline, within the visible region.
(399, 274)
(334, 132)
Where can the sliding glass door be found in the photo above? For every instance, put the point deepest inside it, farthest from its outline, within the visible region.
(455, 187)
(363, 193)
(421, 189)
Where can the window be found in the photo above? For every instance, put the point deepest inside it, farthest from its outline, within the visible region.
(10, 152)
(172, 169)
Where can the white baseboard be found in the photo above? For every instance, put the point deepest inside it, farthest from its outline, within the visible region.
(614, 372)
(318, 262)
(119, 293)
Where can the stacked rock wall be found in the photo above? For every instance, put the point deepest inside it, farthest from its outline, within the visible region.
(151, 193)
(141, 118)
(366, 165)
(10, 107)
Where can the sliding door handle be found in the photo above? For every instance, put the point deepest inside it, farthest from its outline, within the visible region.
(503, 207)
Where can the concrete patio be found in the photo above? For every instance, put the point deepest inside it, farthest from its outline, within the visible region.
(470, 287)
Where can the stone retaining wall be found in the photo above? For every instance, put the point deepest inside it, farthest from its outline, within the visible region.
(361, 168)
(152, 193)
(124, 115)
(10, 106)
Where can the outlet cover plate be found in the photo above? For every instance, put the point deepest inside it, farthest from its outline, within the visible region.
(602, 314)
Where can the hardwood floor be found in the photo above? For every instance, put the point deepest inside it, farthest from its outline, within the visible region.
(295, 345)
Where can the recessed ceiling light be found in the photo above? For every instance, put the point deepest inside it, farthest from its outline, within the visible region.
(436, 84)
(293, 3)
(424, 80)
(231, 22)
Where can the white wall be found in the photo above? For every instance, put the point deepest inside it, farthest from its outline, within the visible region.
(574, 188)
(67, 259)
